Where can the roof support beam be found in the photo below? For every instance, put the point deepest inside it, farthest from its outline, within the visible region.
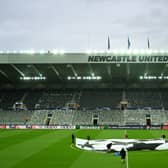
(91, 70)
(73, 69)
(4, 74)
(164, 69)
(36, 70)
(17, 70)
(109, 70)
(56, 71)
(146, 69)
(127, 70)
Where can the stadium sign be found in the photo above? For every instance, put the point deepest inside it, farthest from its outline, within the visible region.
(37, 58)
(127, 59)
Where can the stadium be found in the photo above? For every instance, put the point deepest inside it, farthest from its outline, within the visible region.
(83, 84)
(47, 96)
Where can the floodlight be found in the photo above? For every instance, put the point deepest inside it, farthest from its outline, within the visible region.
(99, 77)
(95, 51)
(108, 51)
(149, 52)
(92, 74)
(88, 51)
(155, 51)
(14, 51)
(61, 52)
(142, 51)
(69, 78)
(115, 51)
(30, 52)
(42, 51)
(122, 51)
(101, 51)
(128, 51)
(54, 51)
(135, 51)
(161, 51)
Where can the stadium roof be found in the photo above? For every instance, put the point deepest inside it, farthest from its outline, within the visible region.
(58, 69)
(60, 56)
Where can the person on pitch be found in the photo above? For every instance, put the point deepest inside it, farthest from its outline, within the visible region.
(73, 139)
(123, 155)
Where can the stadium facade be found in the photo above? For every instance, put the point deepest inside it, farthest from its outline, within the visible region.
(112, 88)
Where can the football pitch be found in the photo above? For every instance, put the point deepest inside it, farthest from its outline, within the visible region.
(53, 149)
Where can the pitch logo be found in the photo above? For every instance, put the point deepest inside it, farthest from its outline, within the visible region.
(115, 145)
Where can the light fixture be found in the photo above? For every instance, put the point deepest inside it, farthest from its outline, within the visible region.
(84, 77)
(28, 78)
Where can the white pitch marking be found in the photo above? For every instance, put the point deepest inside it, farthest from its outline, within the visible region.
(127, 158)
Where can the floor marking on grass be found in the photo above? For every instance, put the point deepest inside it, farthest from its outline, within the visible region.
(127, 158)
(73, 147)
(126, 153)
(125, 132)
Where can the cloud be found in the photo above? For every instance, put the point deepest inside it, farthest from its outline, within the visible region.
(66, 24)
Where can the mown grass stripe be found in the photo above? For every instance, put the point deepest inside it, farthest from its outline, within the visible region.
(59, 153)
(19, 136)
(52, 149)
(18, 152)
(91, 159)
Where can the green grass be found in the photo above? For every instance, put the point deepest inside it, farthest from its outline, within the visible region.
(52, 149)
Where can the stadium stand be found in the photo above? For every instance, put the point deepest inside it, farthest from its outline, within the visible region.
(52, 99)
(9, 97)
(38, 117)
(108, 117)
(31, 99)
(144, 98)
(15, 117)
(82, 118)
(88, 99)
(111, 117)
(79, 117)
(100, 98)
(164, 97)
(62, 117)
(97, 88)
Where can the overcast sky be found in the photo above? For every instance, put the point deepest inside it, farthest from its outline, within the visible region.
(75, 25)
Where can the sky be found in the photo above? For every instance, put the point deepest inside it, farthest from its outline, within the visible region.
(78, 25)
